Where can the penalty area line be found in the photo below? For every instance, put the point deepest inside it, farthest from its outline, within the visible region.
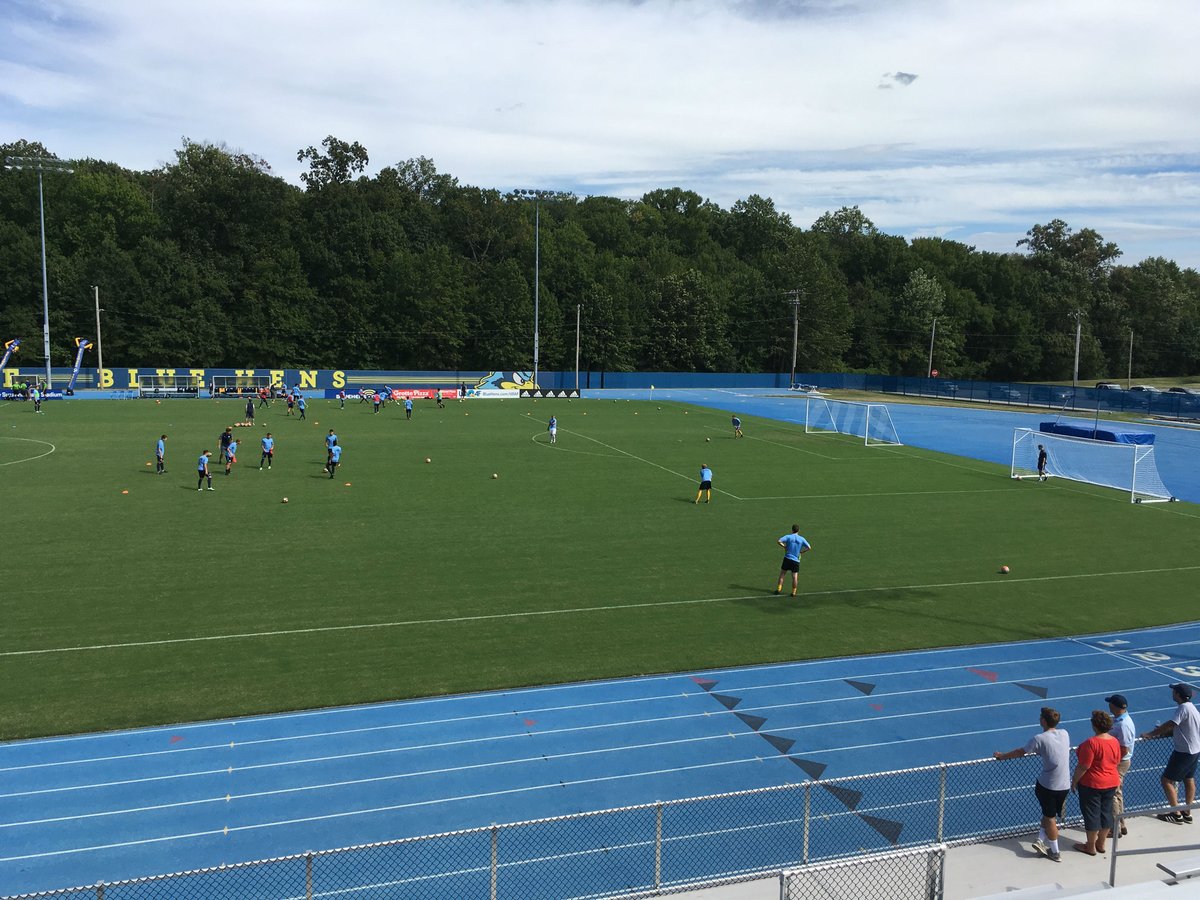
(533, 613)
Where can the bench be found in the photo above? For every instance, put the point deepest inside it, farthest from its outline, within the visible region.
(1182, 869)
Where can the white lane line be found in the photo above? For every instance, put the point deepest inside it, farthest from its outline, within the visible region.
(441, 723)
(577, 729)
(520, 614)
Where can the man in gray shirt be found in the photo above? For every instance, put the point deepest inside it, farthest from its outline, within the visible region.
(1184, 728)
(1053, 784)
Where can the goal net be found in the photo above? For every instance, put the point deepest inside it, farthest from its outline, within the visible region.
(238, 385)
(163, 387)
(870, 421)
(1125, 467)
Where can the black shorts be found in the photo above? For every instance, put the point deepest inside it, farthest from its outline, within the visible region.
(790, 565)
(706, 485)
(1181, 766)
(1051, 802)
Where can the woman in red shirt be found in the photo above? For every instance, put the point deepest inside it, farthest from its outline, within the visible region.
(1096, 778)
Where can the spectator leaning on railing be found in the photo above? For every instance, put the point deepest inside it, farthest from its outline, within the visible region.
(1053, 784)
(1184, 728)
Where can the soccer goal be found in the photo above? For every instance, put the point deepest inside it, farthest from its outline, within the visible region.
(1126, 467)
(238, 385)
(168, 387)
(870, 421)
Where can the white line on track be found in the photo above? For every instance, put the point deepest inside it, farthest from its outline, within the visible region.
(540, 710)
(28, 458)
(550, 733)
(521, 614)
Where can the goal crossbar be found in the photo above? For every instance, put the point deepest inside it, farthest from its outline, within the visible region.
(1129, 468)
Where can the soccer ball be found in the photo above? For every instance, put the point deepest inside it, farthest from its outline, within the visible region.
(495, 475)
(284, 500)
(427, 459)
(706, 440)
(1004, 570)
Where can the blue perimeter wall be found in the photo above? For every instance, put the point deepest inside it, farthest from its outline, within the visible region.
(1178, 405)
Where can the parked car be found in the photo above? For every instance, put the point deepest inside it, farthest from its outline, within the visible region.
(1108, 386)
(1146, 389)
(1191, 392)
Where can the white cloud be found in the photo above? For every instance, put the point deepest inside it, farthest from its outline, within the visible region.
(1021, 111)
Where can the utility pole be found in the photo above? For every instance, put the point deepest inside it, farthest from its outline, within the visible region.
(1129, 372)
(794, 298)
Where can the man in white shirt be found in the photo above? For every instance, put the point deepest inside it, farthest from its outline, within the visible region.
(1184, 728)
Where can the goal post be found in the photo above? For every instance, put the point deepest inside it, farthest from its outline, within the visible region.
(168, 387)
(1129, 468)
(240, 386)
(870, 421)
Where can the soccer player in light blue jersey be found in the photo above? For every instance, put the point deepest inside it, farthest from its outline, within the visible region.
(335, 459)
(268, 451)
(737, 427)
(330, 443)
(794, 546)
(230, 456)
(301, 404)
(202, 470)
(705, 484)
(160, 456)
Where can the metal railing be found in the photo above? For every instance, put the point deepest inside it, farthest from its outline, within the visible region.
(659, 848)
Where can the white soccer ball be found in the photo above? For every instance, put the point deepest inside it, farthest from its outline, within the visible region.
(427, 459)
(285, 500)
(495, 475)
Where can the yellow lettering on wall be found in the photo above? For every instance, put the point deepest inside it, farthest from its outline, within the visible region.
(198, 374)
(243, 373)
(277, 378)
(105, 379)
(9, 374)
(339, 379)
(133, 374)
(165, 373)
(308, 379)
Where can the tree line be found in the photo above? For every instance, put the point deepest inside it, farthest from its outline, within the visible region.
(212, 261)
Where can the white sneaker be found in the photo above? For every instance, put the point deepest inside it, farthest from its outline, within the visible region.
(212, 489)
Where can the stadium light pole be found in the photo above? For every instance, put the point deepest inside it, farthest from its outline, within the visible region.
(99, 345)
(578, 307)
(1078, 314)
(537, 196)
(932, 335)
(41, 164)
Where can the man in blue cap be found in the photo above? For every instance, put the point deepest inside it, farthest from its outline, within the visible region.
(1125, 734)
(1184, 728)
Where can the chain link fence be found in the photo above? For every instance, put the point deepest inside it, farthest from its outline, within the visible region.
(914, 874)
(660, 848)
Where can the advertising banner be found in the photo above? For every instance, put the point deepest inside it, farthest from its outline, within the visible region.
(82, 344)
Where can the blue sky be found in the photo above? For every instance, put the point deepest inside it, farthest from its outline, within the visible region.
(971, 120)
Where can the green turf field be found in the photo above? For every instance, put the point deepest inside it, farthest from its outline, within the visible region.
(583, 560)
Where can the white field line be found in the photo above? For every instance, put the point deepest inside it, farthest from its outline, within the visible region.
(644, 460)
(454, 620)
(28, 458)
